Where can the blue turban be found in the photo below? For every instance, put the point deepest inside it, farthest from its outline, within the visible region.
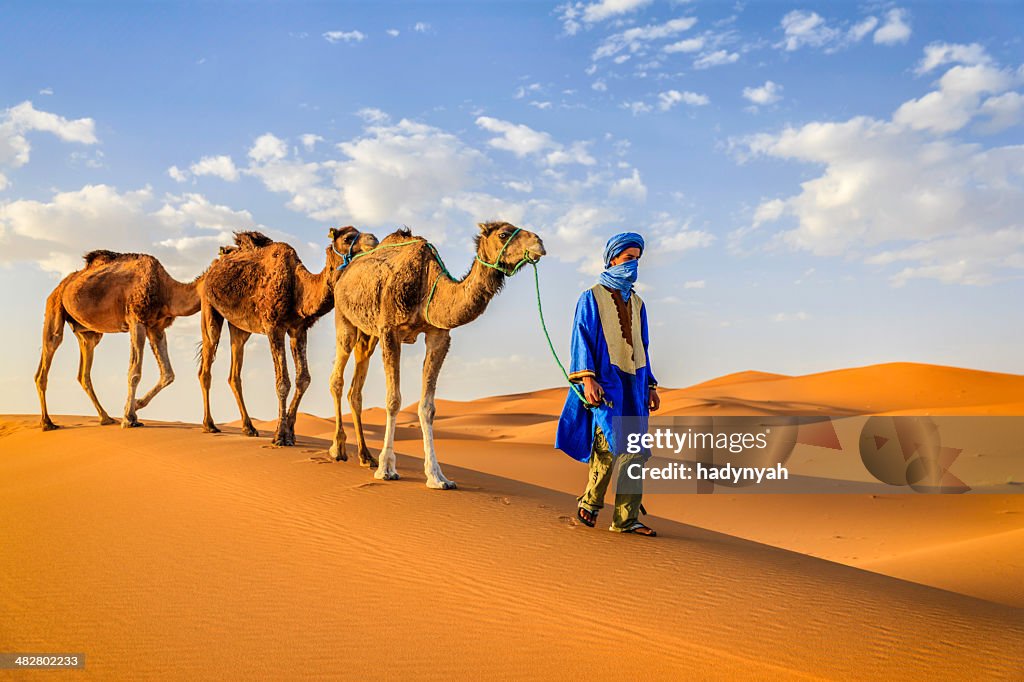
(619, 243)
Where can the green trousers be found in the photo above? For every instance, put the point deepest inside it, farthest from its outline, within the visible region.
(602, 464)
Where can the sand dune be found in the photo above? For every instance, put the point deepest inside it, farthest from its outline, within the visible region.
(219, 556)
(165, 549)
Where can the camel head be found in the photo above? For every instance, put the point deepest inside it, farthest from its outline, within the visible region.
(345, 243)
(506, 246)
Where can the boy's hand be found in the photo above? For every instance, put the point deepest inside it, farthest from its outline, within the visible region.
(653, 399)
(592, 391)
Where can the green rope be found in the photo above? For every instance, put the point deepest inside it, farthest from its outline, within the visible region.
(543, 326)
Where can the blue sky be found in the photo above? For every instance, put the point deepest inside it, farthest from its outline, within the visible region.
(822, 184)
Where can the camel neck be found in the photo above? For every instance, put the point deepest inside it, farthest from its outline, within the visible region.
(456, 303)
(313, 292)
(185, 297)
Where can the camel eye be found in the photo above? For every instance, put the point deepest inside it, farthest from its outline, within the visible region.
(503, 235)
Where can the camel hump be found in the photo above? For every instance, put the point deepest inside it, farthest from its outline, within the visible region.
(403, 234)
(252, 240)
(103, 256)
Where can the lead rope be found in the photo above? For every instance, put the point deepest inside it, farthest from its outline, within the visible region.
(543, 326)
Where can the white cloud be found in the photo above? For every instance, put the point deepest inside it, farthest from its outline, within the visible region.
(46, 91)
(901, 192)
(599, 85)
(667, 100)
(519, 139)
(632, 187)
(694, 284)
(716, 58)
(635, 39)
(54, 234)
(393, 32)
(421, 27)
(268, 147)
(525, 187)
(956, 101)
(344, 36)
(373, 115)
(1004, 111)
(803, 28)
(637, 107)
(541, 105)
(309, 140)
(940, 54)
(605, 9)
(769, 93)
(575, 153)
(575, 14)
(397, 172)
(861, 29)
(218, 166)
(688, 45)
(895, 29)
(523, 140)
(523, 90)
(177, 174)
(23, 119)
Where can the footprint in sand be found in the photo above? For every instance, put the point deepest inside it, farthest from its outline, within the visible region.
(503, 500)
(569, 521)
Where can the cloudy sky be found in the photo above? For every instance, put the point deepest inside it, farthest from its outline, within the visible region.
(822, 185)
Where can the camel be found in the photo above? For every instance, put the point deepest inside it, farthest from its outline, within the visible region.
(261, 287)
(393, 295)
(115, 292)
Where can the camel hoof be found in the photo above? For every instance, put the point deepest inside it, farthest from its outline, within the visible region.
(49, 426)
(368, 461)
(251, 432)
(210, 428)
(131, 424)
(441, 485)
(338, 454)
(386, 475)
(107, 421)
(283, 441)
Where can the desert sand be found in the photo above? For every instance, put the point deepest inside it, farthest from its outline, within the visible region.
(163, 551)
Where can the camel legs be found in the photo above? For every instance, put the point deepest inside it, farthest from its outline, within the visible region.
(137, 334)
(53, 334)
(391, 353)
(212, 324)
(437, 341)
(239, 337)
(87, 342)
(297, 339)
(284, 385)
(158, 342)
(364, 348)
(345, 335)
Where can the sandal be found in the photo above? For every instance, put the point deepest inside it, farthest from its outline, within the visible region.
(640, 529)
(582, 513)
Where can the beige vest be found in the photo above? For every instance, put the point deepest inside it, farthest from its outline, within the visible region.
(622, 356)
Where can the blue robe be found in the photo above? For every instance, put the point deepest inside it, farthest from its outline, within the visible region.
(599, 349)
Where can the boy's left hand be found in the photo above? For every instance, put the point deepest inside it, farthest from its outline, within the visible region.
(653, 399)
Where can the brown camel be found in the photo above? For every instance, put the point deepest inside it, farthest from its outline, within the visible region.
(261, 287)
(115, 292)
(393, 295)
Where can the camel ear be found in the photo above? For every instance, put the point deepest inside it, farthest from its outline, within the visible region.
(484, 227)
(332, 233)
